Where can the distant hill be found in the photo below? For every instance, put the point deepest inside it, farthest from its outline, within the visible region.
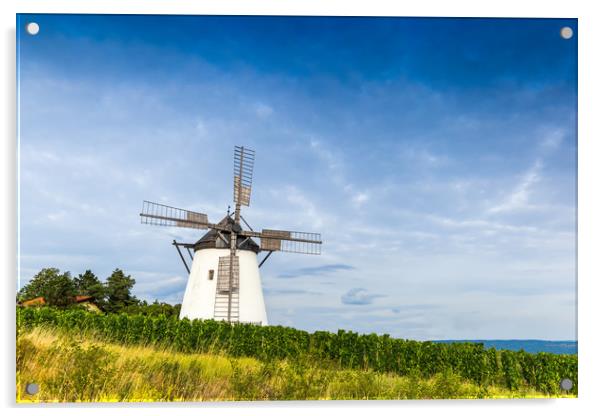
(529, 345)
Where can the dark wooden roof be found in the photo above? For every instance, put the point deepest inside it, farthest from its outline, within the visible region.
(212, 239)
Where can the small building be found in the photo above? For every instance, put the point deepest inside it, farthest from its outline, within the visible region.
(84, 300)
(39, 301)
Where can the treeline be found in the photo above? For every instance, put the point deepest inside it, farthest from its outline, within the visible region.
(114, 295)
(511, 369)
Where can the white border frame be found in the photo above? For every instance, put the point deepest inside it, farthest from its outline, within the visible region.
(589, 207)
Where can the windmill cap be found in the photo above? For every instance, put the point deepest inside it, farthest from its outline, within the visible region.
(212, 239)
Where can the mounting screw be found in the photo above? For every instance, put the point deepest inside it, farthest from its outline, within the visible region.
(32, 28)
(566, 384)
(32, 388)
(566, 32)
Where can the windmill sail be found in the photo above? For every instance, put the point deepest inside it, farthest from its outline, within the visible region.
(244, 160)
(159, 214)
(242, 193)
(290, 241)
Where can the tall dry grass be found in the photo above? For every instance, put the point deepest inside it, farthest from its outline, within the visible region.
(84, 369)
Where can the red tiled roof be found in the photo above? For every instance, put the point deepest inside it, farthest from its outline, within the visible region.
(35, 301)
(41, 301)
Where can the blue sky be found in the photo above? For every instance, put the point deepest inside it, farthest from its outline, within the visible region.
(437, 157)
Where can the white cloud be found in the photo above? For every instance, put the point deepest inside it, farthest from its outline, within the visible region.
(424, 157)
(518, 199)
(335, 167)
(201, 128)
(332, 161)
(552, 139)
(295, 197)
(263, 110)
(360, 198)
(358, 296)
(56, 216)
(480, 224)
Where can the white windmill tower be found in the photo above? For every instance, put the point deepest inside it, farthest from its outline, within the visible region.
(224, 281)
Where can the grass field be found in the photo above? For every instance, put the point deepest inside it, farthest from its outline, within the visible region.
(81, 369)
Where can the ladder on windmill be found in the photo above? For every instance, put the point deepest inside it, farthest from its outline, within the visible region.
(225, 291)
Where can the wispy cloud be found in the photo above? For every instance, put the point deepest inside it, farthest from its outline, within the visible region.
(359, 296)
(552, 139)
(316, 271)
(333, 161)
(480, 224)
(202, 128)
(424, 157)
(518, 199)
(263, 110)
(272, 291)
(360, 198)
(337, 175)
(303, 205)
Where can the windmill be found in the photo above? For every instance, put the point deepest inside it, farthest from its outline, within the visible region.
(233, 293)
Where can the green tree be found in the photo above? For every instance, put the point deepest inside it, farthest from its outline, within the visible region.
(58, 289)
(118, 291)
(88, 284)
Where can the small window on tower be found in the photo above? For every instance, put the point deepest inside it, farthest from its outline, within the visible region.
(211, 274)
